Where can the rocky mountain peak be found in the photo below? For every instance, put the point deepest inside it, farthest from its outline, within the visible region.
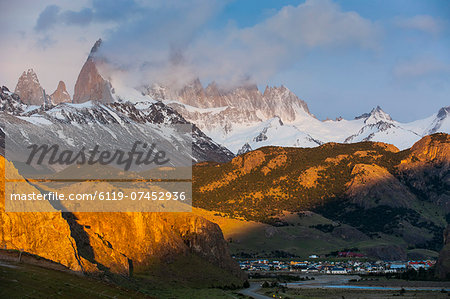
(363, 116)
(212, 90)
(276, 122)
(431, 148)
(441, 123)
(285, 103)
(378, 115)
(10, 102)
(193, 94)
(60, 95)
(221, 110)
(275, 89)
(245, 149)
(29, 89)
(95, 47)
(249, 87)
(90, 85)
(30, 73)
(443, 112)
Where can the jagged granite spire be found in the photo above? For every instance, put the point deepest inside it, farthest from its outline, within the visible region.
(60, 95)
(29, 89)
(95, 47)
(90, 85)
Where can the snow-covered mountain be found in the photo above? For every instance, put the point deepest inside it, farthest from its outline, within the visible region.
(10, 102)
(240, 118)
(270, 132)
(438, 122)
(379, 126)
(241, 129)
(93, 116)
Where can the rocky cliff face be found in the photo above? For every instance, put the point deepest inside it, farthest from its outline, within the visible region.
(119, 243)
(90, 85)
(443, 263)
(60, 95)
(426, 164)
(29, 89)
(433, 148)
(275, 101)
(118, 240)
(44, 234)
(214, 108)
(373, 185)
(10, 102)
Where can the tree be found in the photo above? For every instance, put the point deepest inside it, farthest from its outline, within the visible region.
(246, 284)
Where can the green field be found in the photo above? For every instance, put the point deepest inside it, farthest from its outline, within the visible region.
(302, 236)
(19, 280)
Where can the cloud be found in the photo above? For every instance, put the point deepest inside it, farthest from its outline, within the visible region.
(48, 18)
(171, 44)
(423, 23)
(100, 11)
(420, 67)
(106, 10)
(277, 42)
(79, 18)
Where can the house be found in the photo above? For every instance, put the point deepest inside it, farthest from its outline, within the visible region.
(418, 265)
(338, 270)
(396, 268)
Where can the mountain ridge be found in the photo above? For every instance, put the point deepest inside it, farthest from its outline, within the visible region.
(374, 188)
(235, 116)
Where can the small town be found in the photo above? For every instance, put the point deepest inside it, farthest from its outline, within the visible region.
(334, 267)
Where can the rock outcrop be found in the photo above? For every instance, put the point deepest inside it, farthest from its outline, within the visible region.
(441, 121)
(60, 95)
(240, 105)
(29, 89)
(275, 101)
(433, 148)
(118, 240)
(373, 185)
(10, 102)
(43, 234)
(118, 243)
(427, 163)
(90, 85)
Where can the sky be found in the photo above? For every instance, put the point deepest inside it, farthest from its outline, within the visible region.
(342, 57)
